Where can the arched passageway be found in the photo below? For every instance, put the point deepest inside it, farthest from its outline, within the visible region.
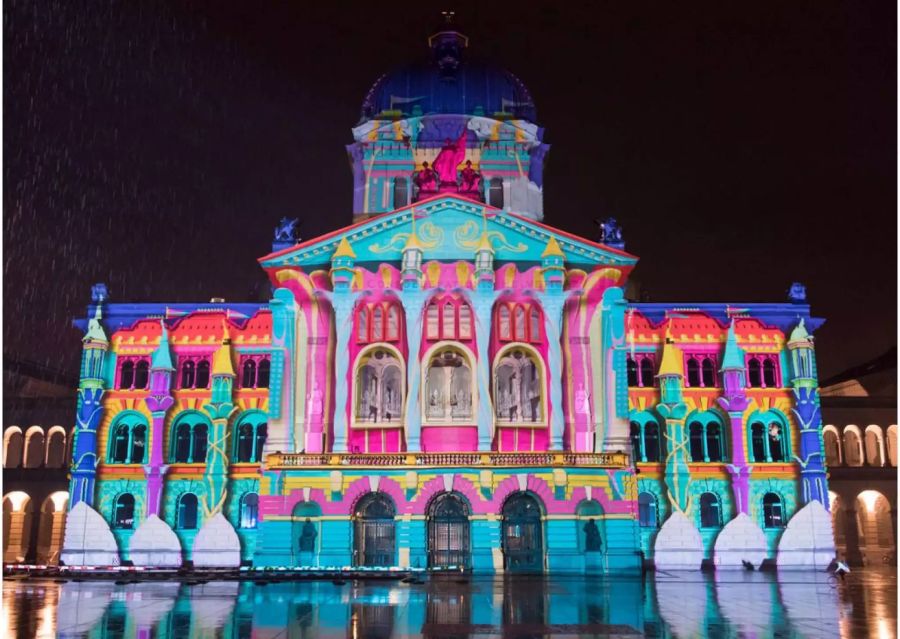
(876, 535)
(522, 534)
(17, 520)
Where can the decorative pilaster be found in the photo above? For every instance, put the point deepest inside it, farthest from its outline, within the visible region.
(159, 401)
(90, 407)
(673, 409)
(813, 480)
(482, 305)
(220, 410)
(343, 301)
(734, 402)
(553, 300)
(284, 411)
(413, 301)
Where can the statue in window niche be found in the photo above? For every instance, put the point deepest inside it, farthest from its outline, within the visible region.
(426, 179)
(308, 536)
(471, 179)
(591, 536)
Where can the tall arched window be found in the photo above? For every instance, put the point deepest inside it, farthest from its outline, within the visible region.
(263, 372)
(892, 444)
(126, 374)
(141, 374)
(392, 329)
(519, 387)
(401, 192)
(250, 437)
(652, 441)
(56, 448)
(128, 439)
(379, 387)
(832, 446)
(519, 322)
(708, 372)
(762, 370)
(188, 374)
(706, 437)
(34, 447)
(447, 391)
(853, 451)
(187, 512)
(632, 371)
(203, 374)
(693, 372)
(773, 514)
(714, 444)
(769, 438)
(249, 510)
(646, 369)
(14, 446)
(874, 446)
(769, 377)
(696, 439)
(647, 510)
(189, 443)
(710, 511)
(248, 373)
(495, 192)
(644, 432)
(123, 512)
(754, 373)
(637, 447)
(378, 322)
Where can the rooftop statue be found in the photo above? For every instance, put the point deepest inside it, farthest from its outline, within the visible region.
(426, 179)
(610, 231)
(449, 159)
(471, 179)
(286, 231)
(99, 292)
(797, 293)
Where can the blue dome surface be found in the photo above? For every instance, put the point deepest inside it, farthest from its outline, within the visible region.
(449, 84)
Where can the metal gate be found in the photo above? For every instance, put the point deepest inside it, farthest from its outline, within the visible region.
(448, 532)
(523, 545)
(373, 529)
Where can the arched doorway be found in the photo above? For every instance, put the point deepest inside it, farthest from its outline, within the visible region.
(876, 538)
(448, 531)
(306, 533)
(50, 528)
(522, 535)
(373, 531)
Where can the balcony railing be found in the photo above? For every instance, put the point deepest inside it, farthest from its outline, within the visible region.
(405, 460)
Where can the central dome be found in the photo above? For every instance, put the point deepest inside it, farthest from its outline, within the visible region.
(448, 84)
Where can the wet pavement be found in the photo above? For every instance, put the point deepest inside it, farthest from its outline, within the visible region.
(690, 605)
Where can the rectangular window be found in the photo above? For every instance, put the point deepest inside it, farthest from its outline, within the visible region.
(448, 323)
(432, 321)
(465, 322)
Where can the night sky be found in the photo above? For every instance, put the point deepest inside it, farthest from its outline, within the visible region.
(154, 146)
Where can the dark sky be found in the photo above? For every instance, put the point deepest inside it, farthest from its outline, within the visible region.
(154, 146)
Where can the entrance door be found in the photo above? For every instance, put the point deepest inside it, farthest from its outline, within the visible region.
(448, 532)
(523, 546)
(373, 529)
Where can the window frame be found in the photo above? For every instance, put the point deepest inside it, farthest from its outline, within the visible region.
(197, 363)
(133, 362)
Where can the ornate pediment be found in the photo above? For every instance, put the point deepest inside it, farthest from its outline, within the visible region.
(448, 228)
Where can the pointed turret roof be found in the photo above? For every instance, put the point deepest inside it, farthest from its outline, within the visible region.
(484, 244)
(344, 250)
(552, 249)
(162, 357)
(799, 334)
(734, 355)
(221, 364)
(95, 332)
(672, 360)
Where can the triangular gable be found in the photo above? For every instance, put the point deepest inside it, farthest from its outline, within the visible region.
(448, 228)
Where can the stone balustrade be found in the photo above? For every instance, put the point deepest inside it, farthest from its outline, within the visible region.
(406, 460)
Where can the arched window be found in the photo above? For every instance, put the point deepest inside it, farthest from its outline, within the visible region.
(13, 448)
(262, 373)
(519, 388)
(504, 323)
(637, 448)
(141, 374)
(448, 392)
(710, 511)
(401, 192)
(646, 370)
(250, 438)
(121, 435)
(754, 373)
(693, 373)
(392, 331)
(696, 438)
(126, 374)
(248, 374)
(632, 370)
(832, 447)
(191, 432)
(495, 193)
(853, 453)
(432, 322)
(202, 374)
(714, 444)
(535, 321)
(465, 321)
(769, 377)
(519, 323)
(249, 510)
(56, 448)
(187, 512)
(34, 447)
(362, 324)
(647, 510)
(188, 374)
(873, 439)
(123, 512)
(773, 514)
(652, 441)
(892, 444)
(708, 372)
(138, 443)
(379, 387)
(377, 324)
(769, 438)
(448, 321)
(444, 318)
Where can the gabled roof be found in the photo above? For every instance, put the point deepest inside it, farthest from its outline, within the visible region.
(448, 228)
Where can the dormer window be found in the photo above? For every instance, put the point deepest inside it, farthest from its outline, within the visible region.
(255, 371)
(134, 373)
(193, 371)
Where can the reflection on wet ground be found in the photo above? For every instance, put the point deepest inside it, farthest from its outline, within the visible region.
(662, 605)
